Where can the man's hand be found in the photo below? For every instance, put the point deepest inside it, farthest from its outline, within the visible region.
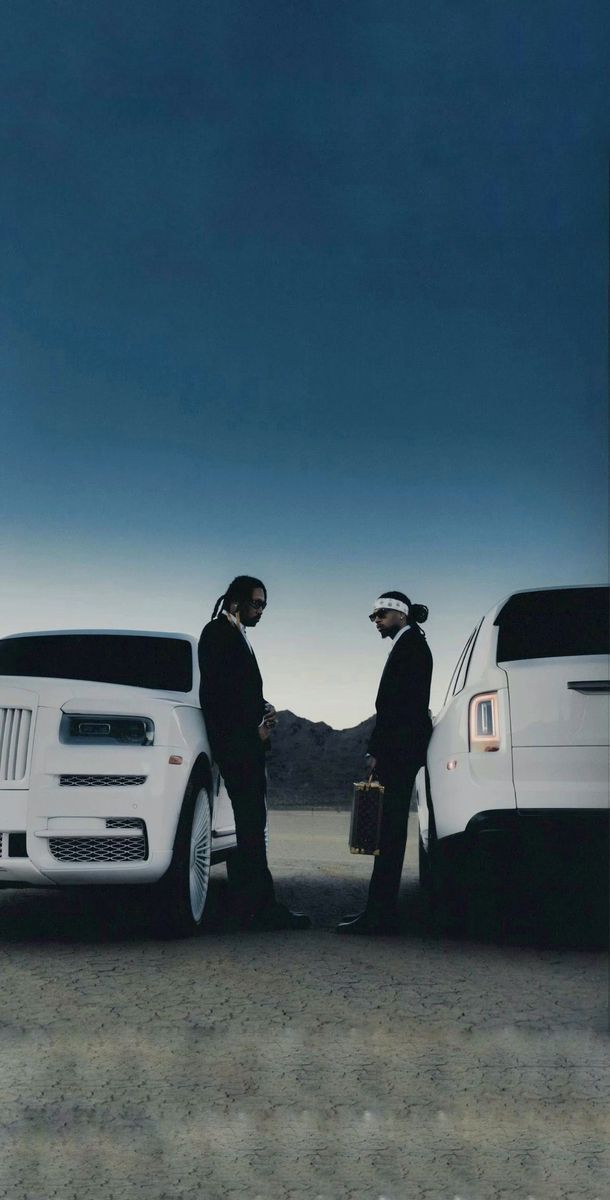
(268, 722)
(270, 717)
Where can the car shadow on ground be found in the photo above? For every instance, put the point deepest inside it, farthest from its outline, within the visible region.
(553, 911)
(551, 908)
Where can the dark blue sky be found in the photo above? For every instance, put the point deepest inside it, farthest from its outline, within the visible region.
(311, 289)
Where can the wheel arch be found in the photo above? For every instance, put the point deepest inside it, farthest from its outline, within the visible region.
(200, 773)
(425, 811)
(430, 806)
(201, 770)
(172, 891)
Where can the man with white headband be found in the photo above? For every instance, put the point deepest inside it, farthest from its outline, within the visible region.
(397, 749)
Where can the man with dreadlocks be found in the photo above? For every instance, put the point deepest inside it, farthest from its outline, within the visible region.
(239, 722)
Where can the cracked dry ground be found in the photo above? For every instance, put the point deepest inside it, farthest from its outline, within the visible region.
(299, 1066)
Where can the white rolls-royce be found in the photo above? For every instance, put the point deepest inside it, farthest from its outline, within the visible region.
(519, 751)
(106, 775)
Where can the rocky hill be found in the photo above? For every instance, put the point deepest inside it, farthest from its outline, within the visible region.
(311, 764)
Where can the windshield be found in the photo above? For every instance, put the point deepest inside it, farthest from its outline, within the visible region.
(554, 624)
(159, 663)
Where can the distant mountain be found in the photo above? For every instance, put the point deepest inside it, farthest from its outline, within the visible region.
(311, 764)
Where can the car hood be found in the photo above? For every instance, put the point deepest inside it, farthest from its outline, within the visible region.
(62, 693)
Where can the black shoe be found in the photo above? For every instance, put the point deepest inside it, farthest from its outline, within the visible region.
(278, 917)
(365, 923)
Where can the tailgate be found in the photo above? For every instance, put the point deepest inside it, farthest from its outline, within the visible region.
(559, 719)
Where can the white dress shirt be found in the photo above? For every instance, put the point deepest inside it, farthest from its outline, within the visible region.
(238, 625)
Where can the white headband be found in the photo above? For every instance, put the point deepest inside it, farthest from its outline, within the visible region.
(389, 602)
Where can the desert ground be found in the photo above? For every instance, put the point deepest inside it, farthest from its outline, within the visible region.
(299, 1066)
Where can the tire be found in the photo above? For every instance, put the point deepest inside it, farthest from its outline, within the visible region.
(425, 881)
(447, 899)
(425, 888)
(463, 885)
(180, 896)
(467, 893)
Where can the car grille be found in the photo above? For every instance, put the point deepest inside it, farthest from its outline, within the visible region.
(15, 730)
(101, 780)
(103, 849)
(124, 823)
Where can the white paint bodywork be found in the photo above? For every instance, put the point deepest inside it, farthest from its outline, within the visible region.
(559, 734)
(553, 751)
(39, 805)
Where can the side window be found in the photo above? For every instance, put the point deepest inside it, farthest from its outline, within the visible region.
(451, 690)
(466, 660)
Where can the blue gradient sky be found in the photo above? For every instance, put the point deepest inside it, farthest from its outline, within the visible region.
(312, 290)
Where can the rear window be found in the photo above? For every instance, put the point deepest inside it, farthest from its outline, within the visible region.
(554, 624)
(162, 664)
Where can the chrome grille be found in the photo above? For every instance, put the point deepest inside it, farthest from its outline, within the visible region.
(15, 729)
(101, 780)
(103, 849)
(124, 823)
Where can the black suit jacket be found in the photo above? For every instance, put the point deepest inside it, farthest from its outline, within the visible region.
(403, 726)
(231, 692)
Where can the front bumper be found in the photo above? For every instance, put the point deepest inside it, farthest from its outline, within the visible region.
(94, 833)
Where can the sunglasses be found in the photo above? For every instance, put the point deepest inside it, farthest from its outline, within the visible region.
(379, 612)
(259, 605)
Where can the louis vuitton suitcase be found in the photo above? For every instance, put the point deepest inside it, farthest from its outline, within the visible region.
(367, 809)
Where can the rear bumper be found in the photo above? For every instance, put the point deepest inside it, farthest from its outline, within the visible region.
(532, 821)
(536, 827)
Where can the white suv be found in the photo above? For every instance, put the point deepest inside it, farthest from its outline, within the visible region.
(519, 750)
(106, 775)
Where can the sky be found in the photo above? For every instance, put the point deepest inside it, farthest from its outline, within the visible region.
(313, 290)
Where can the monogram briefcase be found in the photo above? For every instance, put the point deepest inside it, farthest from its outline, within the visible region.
(367, 811)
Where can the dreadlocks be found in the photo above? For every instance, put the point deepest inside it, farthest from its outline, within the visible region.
(239, 591)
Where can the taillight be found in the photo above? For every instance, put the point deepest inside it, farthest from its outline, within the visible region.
(483, 728)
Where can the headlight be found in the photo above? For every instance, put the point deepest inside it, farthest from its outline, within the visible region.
(93, 729)
(483, 722)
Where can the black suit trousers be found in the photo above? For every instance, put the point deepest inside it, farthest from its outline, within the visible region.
(385, 881)
(251, 880)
